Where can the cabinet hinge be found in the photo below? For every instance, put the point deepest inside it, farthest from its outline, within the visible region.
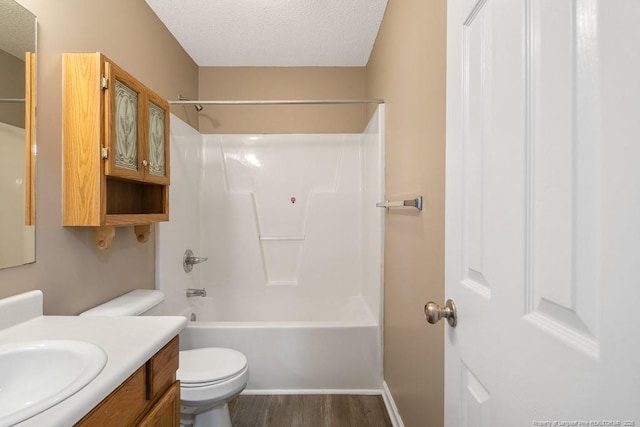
(104, 82)
(104, 152)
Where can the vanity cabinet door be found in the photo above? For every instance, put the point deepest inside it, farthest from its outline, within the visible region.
(122, 407)
(124, 130)
(165, 413)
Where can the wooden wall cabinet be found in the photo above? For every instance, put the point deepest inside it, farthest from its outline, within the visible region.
(149, 397)
(116, 148)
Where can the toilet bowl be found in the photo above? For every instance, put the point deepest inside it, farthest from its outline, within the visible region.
(209, 377)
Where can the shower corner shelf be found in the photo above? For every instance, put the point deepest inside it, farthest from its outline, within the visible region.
(115, 160)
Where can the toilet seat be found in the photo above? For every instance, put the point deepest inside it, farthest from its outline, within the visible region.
(209, 366)
(200, 396)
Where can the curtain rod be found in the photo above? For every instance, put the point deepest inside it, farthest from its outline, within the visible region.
(284, 102)
(12, 100)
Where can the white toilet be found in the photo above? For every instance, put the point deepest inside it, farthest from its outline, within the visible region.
(209, 377)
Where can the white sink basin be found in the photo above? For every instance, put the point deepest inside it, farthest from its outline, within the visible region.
(37, 375)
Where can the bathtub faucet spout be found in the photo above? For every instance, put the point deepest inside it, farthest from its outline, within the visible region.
(196, 292)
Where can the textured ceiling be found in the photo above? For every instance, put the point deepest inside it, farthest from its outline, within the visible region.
(18, 29)
(273, 32)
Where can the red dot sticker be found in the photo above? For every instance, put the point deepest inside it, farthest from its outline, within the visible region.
(293, 200)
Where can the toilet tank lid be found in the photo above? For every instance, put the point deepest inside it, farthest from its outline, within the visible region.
(132, 303)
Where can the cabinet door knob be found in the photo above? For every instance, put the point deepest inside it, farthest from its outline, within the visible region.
(145, 163)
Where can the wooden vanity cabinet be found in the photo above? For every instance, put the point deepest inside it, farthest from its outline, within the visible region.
(116, 147)
(149, 397)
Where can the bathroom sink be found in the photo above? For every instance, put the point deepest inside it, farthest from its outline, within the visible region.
(37, 375)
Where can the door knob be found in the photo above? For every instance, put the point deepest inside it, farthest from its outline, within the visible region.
(433, 312)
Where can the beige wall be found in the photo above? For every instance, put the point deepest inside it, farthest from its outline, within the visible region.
(73, 274)
(407, 69)
(247, 83)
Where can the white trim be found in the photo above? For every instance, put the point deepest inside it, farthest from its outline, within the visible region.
(366, 391)
(392, 409)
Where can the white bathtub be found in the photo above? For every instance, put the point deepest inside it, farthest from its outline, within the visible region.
(329, 349)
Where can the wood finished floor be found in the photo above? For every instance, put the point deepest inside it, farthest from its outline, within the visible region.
(308, 410)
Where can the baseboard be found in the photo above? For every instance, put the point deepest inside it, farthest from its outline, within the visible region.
(392, 409)
(366, 391)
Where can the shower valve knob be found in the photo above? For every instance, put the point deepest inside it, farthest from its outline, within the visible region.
(189, 260)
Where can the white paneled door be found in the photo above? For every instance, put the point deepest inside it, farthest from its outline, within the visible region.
(543, 213)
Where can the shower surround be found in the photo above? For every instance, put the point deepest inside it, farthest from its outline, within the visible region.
(294, 241)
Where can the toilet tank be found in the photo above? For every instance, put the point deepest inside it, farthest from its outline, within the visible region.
(140, 302)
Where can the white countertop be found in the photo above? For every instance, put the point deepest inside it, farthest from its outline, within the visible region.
(128, 341)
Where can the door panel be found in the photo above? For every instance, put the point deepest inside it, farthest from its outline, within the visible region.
(563, 195)
(474, 401)
(476, 124)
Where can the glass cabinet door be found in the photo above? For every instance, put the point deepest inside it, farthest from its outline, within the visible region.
(125, 123)
(123, 128)
(157, 139)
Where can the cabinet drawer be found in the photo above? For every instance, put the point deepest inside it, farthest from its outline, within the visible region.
(123, 406)
(161, 369)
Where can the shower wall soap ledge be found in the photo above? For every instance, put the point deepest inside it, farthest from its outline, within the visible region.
(115, 149)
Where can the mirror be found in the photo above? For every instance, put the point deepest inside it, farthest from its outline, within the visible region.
(17, 134)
